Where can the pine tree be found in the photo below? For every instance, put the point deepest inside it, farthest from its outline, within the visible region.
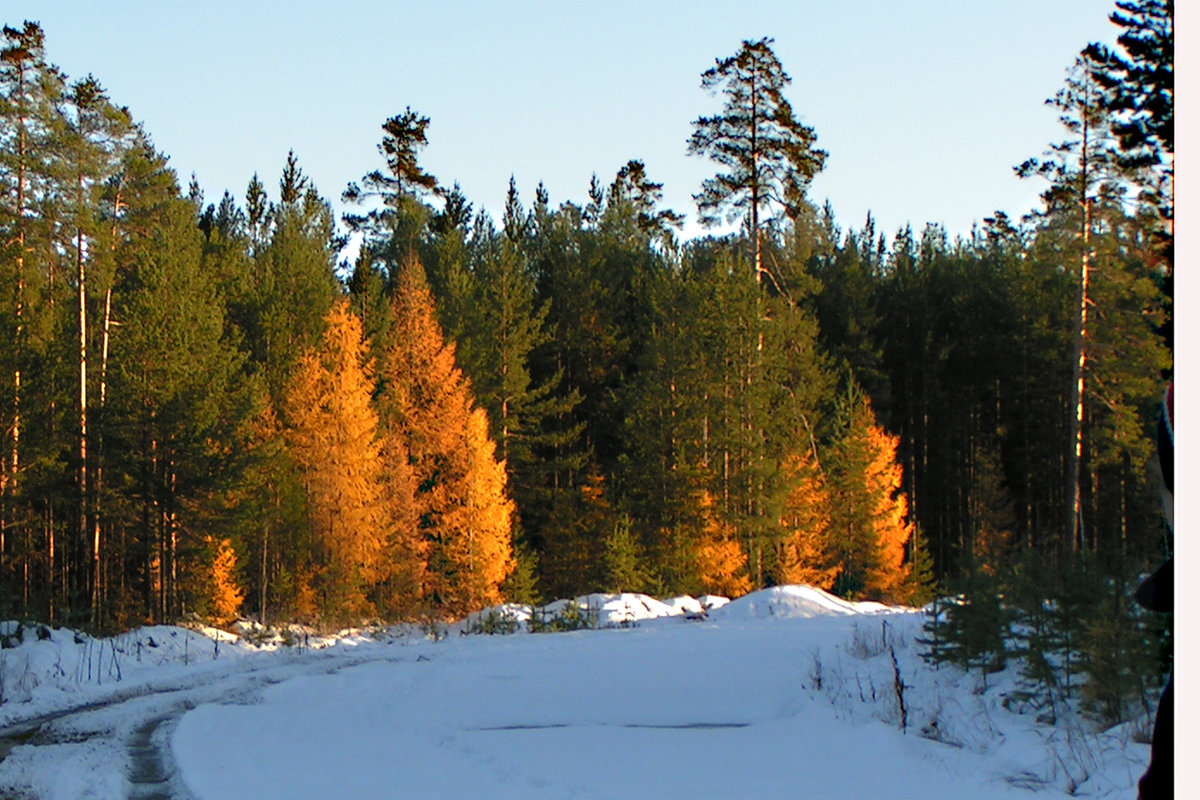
(1078, 169)
(769, 154)
(30, 90)
(633, 199)
(1141, 78)
(394, 232)
(96, 133)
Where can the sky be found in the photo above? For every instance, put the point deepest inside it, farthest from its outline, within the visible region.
(924, 106)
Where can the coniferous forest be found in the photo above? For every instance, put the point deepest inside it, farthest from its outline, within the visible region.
(205, 413)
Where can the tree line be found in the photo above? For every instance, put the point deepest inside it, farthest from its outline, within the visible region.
(205, 413)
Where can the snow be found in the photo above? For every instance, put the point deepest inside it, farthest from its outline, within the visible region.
(780, 693)
(794, 601)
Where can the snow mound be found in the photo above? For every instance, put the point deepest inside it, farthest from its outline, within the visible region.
(792, 602)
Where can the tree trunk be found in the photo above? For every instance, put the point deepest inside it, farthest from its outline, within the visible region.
(99, 589)
(9, 481)
(262, 584)
(82, 526)
(1079, 362)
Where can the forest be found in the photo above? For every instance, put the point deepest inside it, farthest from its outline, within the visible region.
(206, 413)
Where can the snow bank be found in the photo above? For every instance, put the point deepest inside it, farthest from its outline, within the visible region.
(596, 610)
(599, 610)
(39, 664)
(686, 605)
(613, 610)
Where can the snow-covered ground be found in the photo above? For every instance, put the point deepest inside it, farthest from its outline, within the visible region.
(783, 693)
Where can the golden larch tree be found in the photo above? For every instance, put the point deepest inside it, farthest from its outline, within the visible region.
(332, 432)
(225, 593)
(461, 509)
(889, 515)
(720, 559)
(486, 554)
(399, 592)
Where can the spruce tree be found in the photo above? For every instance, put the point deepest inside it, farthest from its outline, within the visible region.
(293, 279)
(625, 560)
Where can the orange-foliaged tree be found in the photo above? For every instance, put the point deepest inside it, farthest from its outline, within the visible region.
(890, 515)
(461, 506)
(720, 559)
(485, 555)
(332, 432)
(868, 512)
(398, 595)
(225, 595)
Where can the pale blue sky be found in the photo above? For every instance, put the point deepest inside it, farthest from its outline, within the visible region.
(923, 105)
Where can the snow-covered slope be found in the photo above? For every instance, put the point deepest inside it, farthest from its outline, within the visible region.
(782, 693)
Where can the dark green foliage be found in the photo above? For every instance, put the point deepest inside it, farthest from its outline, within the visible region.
(1119, 657)
(570, 617)
(971, 629)
(396, 229)
(1037, 640)
(768, 155)
(292, 279)
(625, 561)
(920, 578)
(1140, 77)
(521, 584)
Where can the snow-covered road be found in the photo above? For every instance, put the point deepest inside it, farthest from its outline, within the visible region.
(90, 740)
